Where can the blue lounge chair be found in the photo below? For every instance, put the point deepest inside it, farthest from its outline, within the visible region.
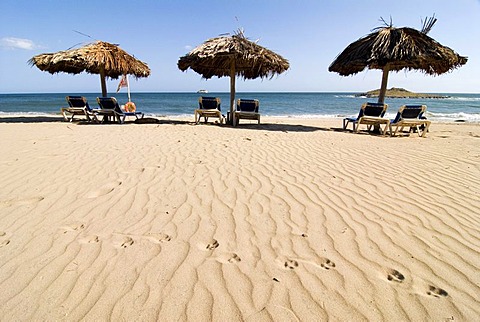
(78, 105)
(411, 116)
(110, 110)
(370, 114)
(208, 107)
(246, 109)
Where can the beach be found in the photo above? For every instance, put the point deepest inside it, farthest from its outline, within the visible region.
(290, 220)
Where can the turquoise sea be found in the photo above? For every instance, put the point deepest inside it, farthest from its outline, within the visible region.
(457, 107)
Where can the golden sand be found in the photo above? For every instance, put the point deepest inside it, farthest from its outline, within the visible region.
(292, 220)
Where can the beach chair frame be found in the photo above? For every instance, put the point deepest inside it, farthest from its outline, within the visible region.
(78, 105)
(110, 110)
(370, 114)
(246, 109)
(410, 116)
(208, 107)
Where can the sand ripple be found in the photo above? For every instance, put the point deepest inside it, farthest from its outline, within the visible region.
(183, 222)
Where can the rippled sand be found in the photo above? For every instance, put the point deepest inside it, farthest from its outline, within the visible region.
(290, 220)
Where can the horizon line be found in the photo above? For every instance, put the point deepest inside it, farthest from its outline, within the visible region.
(224, 92)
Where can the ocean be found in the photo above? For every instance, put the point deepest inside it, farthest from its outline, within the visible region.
(457, 107)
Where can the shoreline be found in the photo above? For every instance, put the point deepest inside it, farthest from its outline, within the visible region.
(289, 218)
(57, 117)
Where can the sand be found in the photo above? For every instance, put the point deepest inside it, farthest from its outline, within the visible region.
(292, 220)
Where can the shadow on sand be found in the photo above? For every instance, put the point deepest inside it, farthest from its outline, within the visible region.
(31, 119)
(264, 127)
(275, 127)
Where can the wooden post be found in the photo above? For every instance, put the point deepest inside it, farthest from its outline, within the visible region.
(383, 91)
(232, 92)
(383, 87)
(103, 82)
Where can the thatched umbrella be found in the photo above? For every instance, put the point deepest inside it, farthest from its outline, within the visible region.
(233, 56)
(394, 49)
(99, 57)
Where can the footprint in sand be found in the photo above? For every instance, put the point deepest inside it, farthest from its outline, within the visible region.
(26, 201)
(324, 263)
(395, 276)
(436, 291)
(2, 233)
(231, 258)
(90, 240)
(234, 259)
(327, 264)
(158, 238)
(72, 227)
(104, 190)
(212, 245)
(290, 264)
(125, 242)
(4, 243)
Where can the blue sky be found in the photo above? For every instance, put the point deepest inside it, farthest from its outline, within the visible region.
(310, 34)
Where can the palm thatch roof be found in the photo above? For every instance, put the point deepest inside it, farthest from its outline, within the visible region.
(233, 56)
(215, 56)
(391, 48)
(91, 59)
(400, 48)
(103, 58)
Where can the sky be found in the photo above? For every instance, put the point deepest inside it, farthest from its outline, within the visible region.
(309, 34)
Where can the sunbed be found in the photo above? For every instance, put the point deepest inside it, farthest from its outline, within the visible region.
(411, 116)
(78, 105)
(208, 107)
(246, 109)
(370, 114)
(110, 110)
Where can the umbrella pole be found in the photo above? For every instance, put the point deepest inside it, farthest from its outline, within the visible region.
(103, 82)
(381, 94)
(128, 88)
(232, 92)
(383, 87)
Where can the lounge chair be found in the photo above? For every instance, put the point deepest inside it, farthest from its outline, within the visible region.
(370, 114)
(246, 109)
(208, 107)
(110, 110)
(78, 105)
(411, 116)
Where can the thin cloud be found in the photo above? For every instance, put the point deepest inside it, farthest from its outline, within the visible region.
(17, 43)
(188, 47)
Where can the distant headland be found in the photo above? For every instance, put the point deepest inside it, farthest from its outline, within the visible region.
(396, 92)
